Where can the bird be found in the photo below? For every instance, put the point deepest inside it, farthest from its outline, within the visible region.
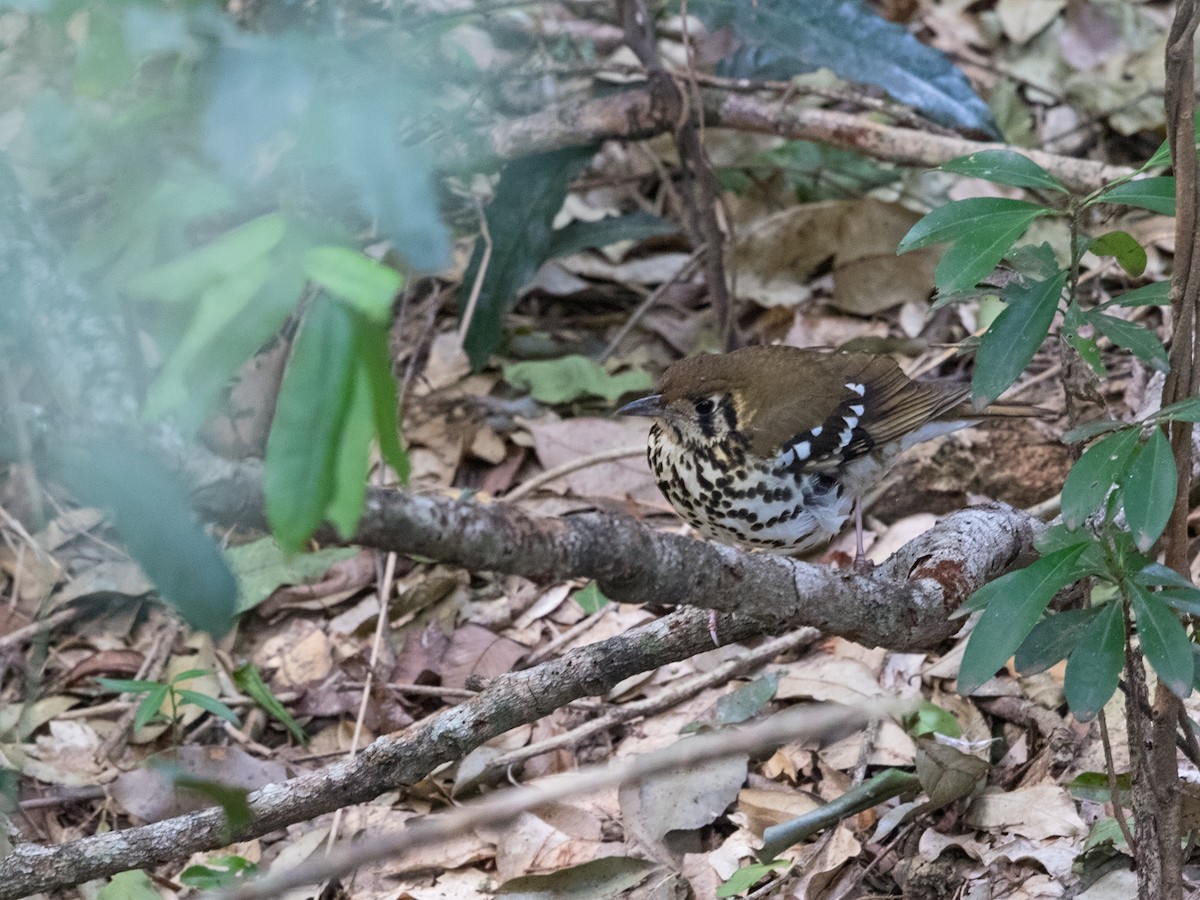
(774, 447)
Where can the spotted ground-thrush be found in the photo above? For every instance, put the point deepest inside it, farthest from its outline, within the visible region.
(774, 447)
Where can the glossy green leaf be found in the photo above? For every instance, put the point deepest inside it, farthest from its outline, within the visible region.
(1157, 293)
(151, 704)
(1157, 575)
(1082, 337)
(1149, 490)
(1186, 601)
(1093, 475)
(1053, 639)
(1164, 641)
(1014, 603)
(590, 598)
(1095, 786)
(1004, 167)
(1156, 193)
(520, 222)
(229, 254)
(1007, 347)
(132, 885)
(572, 377)
(355, 278)
(1094, 667)
(778, 39)
(304, 440)
(930, 718)
(1124, 249)
(746, 877)
(980, 232)
(208, 704)
(1187, 410)
(1136, 338)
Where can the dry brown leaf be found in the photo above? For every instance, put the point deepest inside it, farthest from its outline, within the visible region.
(300, 662)
(1022, 19)
(763, 808)
(567, 440)
(825, 678)
(566, 837)
(1039, 812)
(475, 652)
(892, 747)
(66, 756)
(111, 663)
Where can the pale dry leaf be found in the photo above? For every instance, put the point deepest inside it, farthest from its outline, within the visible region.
(307, 661)
(764, 808)
(1038, 812)
(650, 270)
(775, 255)
(375, 820)
(117, 576)
(827, 679)
(31, 717)
(892, 747)
(66, 756)
(835, 851)
(682, 800)
(821, 328)
(456, 884)
(531, 844)
(568, 440)
(1022, 19)
(868, 276)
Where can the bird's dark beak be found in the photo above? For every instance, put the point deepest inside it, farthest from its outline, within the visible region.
(650, 407)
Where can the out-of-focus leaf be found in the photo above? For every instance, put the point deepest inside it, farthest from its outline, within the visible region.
(1053, 639)
(355, 278)
(218, 873)
(1121, 246)
(132, 885)
(782, 38)
(232, 800)
(1095, 786)
(262, 566)
(931, 719)
(250, 681)
(1010, 343)
(151, 512)
(371, 348)
(520, 219)
(1149, 491)
(636, 226)
(1094, 667)
(571, 377)
(747, 701)
(1015, 602)
(208, 704)
(303, 444)
(1093, 475)
(607, 878)
(1163, 640)
(1089, 430)
(590, 599)
(747, 876)
(980, 231)
(1138, 339)
(228, 255)
(1187, 410)
(1004, 167)
(352, 459)
(1156, 193)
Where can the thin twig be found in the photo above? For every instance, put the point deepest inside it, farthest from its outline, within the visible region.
(477, 287)
(685, 271)
(527, 487)
(1113, 788)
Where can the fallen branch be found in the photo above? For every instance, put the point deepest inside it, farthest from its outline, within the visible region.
(644, 112)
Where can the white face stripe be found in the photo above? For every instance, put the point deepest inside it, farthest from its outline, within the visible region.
(857, 388)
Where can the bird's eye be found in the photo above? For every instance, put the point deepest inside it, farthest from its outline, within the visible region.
(706, 406)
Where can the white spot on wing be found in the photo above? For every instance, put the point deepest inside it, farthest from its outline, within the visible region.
(857, 409)
(857, 388)
(851, 422)
(802, 451)
(816, 432)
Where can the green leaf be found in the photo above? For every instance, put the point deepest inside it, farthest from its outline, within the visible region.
(1073, 329)
(149, 708)
(218, 873)
(980, 230)
(778, 39)
(1053, 639)
(749, 875)
(1156, 193)
(134, 885)
(1157, 575)
(931, 719)
(1010, 343)
(1004, 167)
(1164, 640)
(1187, 410)
(231, 799)
(208, 704)
(151, 511)
(747, 701)
(303, 444)
(590, 599)
(1156, 293)
(572, 377)
(1089, 430)
(1014, 603)
(636, 226)
(190, 674)
(352, 460)
(355, 278)
(218, 305)
(1121, 246)
(607, 878)
(1149, 490)
(250, 682)
(127, 685)
(262, 566)
(1102, 465)
(1095, 786)
(229, 254)
(1136, 338)
(520, 222)
(372, 352)
(1094, 667)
